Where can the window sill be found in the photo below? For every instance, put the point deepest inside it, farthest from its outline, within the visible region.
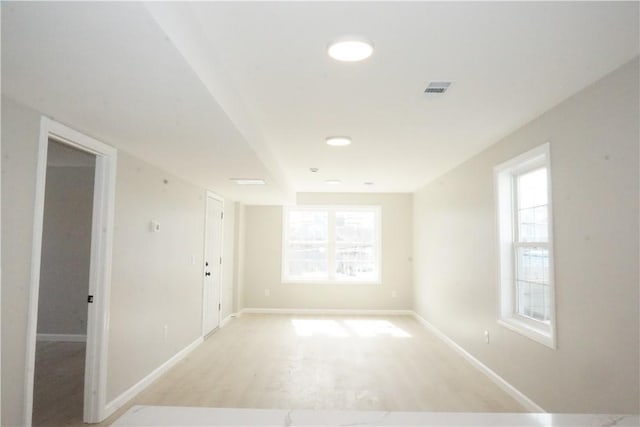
(543, 335)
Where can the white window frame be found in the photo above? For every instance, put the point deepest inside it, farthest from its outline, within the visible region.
(331, 245)
(505, 190)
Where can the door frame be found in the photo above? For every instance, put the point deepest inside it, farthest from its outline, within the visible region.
(95, 377)
(211, 194)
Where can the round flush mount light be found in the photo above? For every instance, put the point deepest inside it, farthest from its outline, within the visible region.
(350, 49)
(338, 141)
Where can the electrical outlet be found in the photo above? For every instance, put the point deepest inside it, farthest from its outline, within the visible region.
(486, 336)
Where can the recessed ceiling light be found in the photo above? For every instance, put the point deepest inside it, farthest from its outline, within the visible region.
(314, 170)
(338, 141)
(437, 87)
(350, 49)
(248, 181)
(368, 183)
(333, 182)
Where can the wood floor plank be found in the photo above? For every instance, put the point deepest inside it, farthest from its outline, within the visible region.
(58, 384)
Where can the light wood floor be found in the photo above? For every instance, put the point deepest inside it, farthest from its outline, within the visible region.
(58, 383)
(328, 362)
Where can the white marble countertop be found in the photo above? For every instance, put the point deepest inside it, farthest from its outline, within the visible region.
(188, 416)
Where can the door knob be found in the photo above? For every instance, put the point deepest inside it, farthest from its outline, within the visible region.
(207, 274)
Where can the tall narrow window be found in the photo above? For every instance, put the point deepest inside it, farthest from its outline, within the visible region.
(532, 245)
(523, 196)
(331, 244)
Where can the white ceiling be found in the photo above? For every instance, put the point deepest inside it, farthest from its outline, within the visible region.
(107, 69)
(219, 90)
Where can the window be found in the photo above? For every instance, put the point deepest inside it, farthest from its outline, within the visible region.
(523, 204)
(331, 244)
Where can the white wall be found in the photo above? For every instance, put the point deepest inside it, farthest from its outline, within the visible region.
(239, 256)
(20, 131)
(594, 155)
(66, 248)
(156, 289)
(154, 280)
(262, 259)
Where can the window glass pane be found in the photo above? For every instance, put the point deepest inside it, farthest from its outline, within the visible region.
(523, 298)
(533, 301)
(533, 264)
(532, 224)
(355, 271)
(355, 226)
(355, 252)
(307, 260)
(532, 282)
(532, 188)
(355, 261)
(307, 226)
(532, 206)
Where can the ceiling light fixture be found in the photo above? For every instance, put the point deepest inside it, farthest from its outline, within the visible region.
(248, 181)
(350, 49)
(333, 182)
(437, 87)
(338, 141)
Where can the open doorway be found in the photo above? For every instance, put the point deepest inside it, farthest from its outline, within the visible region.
(70, 275)
(58, 396)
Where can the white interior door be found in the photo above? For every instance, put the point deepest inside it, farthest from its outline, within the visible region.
(212, 264)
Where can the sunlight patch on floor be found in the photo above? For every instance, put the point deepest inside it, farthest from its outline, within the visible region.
(366, 328)
(374, 328)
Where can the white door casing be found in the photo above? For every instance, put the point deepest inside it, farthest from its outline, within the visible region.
(95, 380)
(212, 263)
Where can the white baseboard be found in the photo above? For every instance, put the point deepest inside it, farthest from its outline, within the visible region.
(62, 337)
(497, 379)
(119, 401)
(327, 311)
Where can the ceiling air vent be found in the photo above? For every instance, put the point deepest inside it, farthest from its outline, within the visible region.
(437, 87)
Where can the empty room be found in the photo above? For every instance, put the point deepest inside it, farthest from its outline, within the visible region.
(320, 213)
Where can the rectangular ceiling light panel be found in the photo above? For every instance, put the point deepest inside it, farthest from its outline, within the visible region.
(248, 181)
(437, 87)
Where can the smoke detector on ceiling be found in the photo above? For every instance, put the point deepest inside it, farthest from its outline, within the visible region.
(437, 87)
